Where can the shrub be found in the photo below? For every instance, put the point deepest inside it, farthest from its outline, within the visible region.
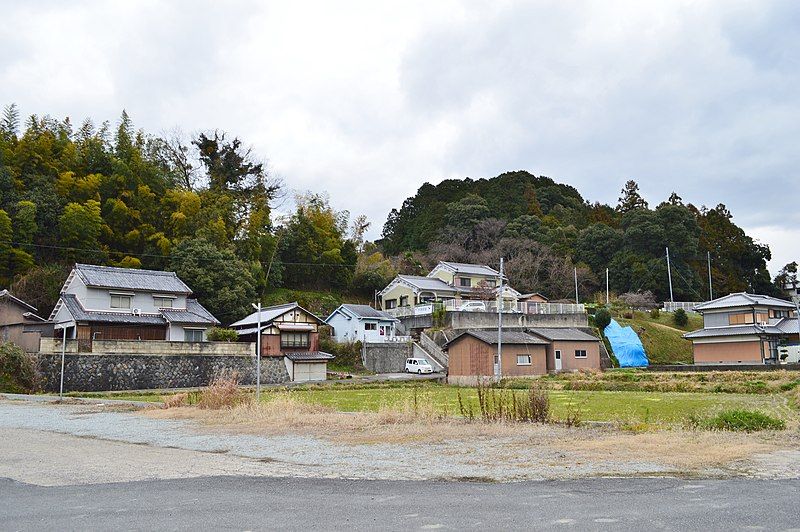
(602, 318)
(17, 369)
(348, 354)
(218, 334)
(744, 420)
(222, 392)
(655, 313)
(438, 315)
(680, 318)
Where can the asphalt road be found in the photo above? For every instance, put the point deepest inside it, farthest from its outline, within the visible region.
(247, 503)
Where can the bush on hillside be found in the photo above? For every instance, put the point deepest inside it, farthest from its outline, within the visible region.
(219, 334)
(639, 300)
(602, 318)
(348, 354)
(680, 318)
(655, 313)
(17, 369)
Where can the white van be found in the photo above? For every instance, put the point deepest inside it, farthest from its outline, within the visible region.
(418, 365)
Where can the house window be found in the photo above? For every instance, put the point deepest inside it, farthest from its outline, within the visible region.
(370, 326)
(383, 330)
(403, 301)
(740, 318)
(580, 353)
(162, 302)
(762, 317)
(390, 303)
(491, 283)
(523, 360)
(294, 339)
(120, 301)
(193, 335)
(465, 281)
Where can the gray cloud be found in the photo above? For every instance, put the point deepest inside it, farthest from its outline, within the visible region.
(368, 100)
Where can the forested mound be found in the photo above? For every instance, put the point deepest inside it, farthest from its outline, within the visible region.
(544, 229)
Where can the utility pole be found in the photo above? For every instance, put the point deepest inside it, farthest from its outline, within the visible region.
(576, 286)
(710, 288)
(499, 371)
(258, 353)
(63, 356)
(606, 286)
(669, 274)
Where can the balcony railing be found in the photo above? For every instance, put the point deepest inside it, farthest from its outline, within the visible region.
(524, 307)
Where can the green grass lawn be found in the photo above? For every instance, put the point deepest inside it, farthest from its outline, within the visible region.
(655, 407)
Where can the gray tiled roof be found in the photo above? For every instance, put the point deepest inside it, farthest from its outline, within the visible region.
(365, 311)
(563, 334)
(131, 279)
(308, 356)
(193, 313)
(509, 337)
(5, 294)
(80, 314)
(474, 269)
(788, 325)
(734, 330)
(268, 314)
(742, 299)
(428, 283)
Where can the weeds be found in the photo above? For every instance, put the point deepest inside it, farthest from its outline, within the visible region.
(222, 392)
(737, 420)
(507, 405)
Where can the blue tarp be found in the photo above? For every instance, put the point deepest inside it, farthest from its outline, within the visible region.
(626, 345)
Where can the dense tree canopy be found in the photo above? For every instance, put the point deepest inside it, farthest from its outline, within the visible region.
(114, 195)
(545, 230)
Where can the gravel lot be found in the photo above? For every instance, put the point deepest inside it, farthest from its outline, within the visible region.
(49, 444)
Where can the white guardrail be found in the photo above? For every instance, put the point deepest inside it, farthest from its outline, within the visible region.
(525, 307)
(688, 306)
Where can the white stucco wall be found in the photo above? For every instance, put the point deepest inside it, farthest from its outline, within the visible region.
(351, 330)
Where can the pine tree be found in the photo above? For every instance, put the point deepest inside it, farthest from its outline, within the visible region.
(631, 199)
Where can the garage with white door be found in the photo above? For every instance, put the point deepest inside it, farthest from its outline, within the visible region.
(307, 366)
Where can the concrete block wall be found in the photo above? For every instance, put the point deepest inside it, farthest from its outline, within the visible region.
(387, 357)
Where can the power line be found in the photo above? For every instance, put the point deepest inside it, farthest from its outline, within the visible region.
(154, 255)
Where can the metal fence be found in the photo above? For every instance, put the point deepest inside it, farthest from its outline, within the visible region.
(524, 307)
(688, 306)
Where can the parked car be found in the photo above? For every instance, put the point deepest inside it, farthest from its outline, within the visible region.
(418, 365)
(473, 306)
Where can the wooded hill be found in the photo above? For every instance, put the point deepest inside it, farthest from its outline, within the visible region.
(544, 229)
(201, 206)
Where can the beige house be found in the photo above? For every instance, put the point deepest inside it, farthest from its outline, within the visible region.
(472, 355)
(745, 328)
(447, 281)
(16, 319)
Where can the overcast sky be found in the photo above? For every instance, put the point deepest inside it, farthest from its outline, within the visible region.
(368, 100)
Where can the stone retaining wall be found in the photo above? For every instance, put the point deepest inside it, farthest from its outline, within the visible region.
(389, 357)
(91, 372)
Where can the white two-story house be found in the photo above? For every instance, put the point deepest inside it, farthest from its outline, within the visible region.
(106, 303)
(447, 281)
(350, 323)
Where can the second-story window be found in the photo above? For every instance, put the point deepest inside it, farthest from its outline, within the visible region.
(120, 301)
(465, 281)
(294, 339)
(162, 302)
